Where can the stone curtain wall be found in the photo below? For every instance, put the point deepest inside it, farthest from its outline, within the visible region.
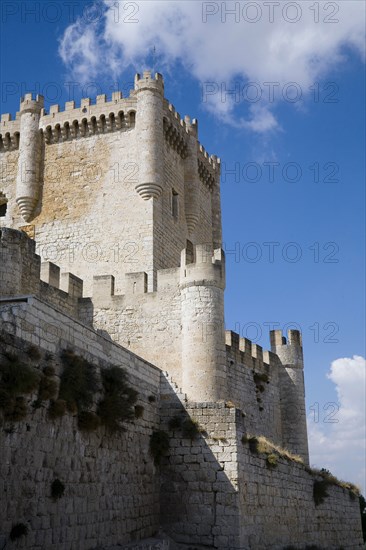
(111, 484)
(217, 494)
(259, 401)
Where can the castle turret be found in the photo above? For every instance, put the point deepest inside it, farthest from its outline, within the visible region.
(28, 177)
(292, 391)
(191, 177)
(150, 137)
(202, 285)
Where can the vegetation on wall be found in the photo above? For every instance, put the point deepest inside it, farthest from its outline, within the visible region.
(78, 381)
(159, 445)
(18, 530)
(320, 491)
(189, 427)
(96, 398)
(261, 445)
(362, 502)
(16, 380)
(57, 409)
(57, 489)
(88, 421)
(117, 405)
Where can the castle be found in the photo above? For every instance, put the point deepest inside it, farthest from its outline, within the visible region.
(110, 244)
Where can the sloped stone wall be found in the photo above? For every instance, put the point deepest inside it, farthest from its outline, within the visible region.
(111, 484)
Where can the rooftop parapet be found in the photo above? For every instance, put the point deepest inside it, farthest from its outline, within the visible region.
(103, 116)
(21, 273)
(29, 104)
(247, 352)
(176, 130)
(149, 81)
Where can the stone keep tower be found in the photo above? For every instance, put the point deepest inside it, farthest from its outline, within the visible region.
(124, 199)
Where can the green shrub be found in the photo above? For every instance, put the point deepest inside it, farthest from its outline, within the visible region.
(16, 378)
(6, 400)
(119, 400)
(320, 491)
(18, 530)
(362, 502)
(175, 423)
(18, 411)
(190, 428)
(159, 445)
(34, 353)
(49, 371)
(57, 409)
(139, 411)
(78, 381)
(272, 460)
(88, 421)
(260, 377)
(47, 388)
(57, 489)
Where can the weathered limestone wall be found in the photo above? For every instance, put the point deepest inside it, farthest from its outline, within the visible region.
(111, 484)
(88, 214)
(217, 494)
(253, 380)
(149, 324)
(21, 272)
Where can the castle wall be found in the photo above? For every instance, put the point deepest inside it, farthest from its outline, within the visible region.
(111, 483)
(254, 387)
(149, 324)
(216, 493)
(21, 272)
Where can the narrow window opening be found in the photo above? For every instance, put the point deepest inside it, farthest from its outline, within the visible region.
(189, 252)
(132, 118)
(175, 204)
(3, 205)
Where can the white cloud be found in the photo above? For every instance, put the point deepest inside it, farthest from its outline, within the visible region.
(214, 50)
(340, 446)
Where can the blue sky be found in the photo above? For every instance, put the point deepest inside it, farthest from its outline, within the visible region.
(295, 203)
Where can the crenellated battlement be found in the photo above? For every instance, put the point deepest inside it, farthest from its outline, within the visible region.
(248, 353)
(22, 273)
(176, 131)
(9, 132)
(202, 266)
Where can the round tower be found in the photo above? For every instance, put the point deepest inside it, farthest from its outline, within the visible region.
(202, 285)
(28, 177)
(150, 135)
(292, 391)
(191, 177)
